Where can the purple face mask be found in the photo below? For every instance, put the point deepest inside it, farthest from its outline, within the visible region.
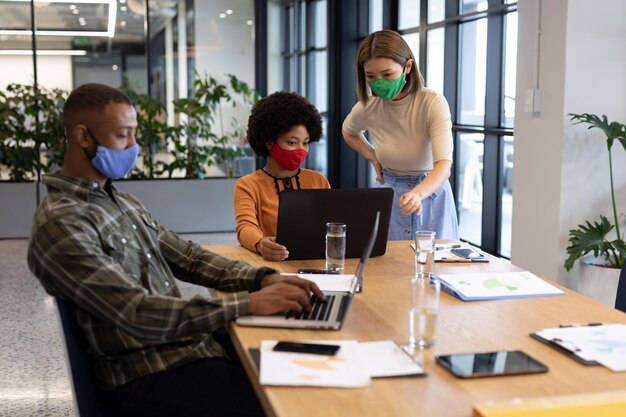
(114, 163)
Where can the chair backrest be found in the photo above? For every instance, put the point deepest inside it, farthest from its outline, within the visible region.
(620, 299)
(89, 400)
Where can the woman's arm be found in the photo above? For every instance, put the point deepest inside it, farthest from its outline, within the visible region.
(362, 146)
(412, 200)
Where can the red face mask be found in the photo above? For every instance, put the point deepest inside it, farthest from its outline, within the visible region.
(290, 160)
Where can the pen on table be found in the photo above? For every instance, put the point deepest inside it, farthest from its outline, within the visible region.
(565, 344)
(581, 324)
(444, 247)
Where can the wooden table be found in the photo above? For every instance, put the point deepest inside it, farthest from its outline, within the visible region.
(380, 312)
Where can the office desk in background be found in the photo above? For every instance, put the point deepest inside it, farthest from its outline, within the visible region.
(380, 312)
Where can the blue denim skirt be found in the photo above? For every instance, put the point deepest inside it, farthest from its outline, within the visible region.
(438, 210)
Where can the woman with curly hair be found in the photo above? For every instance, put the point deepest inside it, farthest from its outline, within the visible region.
(280, 128)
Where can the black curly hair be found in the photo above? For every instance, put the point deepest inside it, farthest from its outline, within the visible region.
(277, 114)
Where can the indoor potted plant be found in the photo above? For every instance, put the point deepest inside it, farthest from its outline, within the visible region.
(32, 141)
(603, 239)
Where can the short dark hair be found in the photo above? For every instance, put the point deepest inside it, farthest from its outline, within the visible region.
(90, 98)
(277, 114)
(386, 44)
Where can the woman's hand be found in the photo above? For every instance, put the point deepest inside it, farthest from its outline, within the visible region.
(379, 170)
(270, 250)
(362, 146)
(411, 202)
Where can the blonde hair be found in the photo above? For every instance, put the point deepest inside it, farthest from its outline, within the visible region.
(386, 44)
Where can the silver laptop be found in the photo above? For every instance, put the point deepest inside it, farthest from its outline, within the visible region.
(329, 315)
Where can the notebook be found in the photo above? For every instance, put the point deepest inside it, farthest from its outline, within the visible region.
(496, 285)
(303, 214)
(339, 291)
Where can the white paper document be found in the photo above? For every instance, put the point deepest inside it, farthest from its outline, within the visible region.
(345, 369)
(605, 344)
(353, 365)
(385, 358)
(330, 282)
(494, 285)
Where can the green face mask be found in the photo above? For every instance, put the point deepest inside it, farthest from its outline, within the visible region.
(388, 89)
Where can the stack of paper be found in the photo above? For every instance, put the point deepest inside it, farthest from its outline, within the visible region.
(495, 285)
(353, 365)
(604, 344)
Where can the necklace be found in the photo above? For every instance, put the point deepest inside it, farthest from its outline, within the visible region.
(287, 184)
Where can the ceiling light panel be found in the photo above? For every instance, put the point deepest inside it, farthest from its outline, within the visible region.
(59, 19)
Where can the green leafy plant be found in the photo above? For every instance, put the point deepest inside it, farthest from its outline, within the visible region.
(196, 145)
(591, 237)
(32, 136)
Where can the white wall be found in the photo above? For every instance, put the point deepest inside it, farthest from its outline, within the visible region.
(538, 140)
(561, 171)
(595, 82)
(52, 71)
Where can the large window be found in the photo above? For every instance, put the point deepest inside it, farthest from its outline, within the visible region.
(467, 49)
(304, 53)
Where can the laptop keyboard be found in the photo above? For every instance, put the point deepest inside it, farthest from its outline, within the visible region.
(320, 310)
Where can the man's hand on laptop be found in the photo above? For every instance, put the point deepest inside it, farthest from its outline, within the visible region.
(270, 250)
(281, 293)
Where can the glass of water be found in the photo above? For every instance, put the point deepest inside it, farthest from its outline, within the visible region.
(335, 246)
(423, 313)
(424, 253)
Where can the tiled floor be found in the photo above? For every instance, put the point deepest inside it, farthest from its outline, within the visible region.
(33, 373)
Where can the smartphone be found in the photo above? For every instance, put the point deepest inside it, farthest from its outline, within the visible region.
(466, 253)
(317, 271)
(501, 363)
(316, 349)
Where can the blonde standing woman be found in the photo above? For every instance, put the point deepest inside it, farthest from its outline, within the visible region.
(411, 131)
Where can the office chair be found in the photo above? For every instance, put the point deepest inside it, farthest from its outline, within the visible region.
(89, 400)
(620, 299)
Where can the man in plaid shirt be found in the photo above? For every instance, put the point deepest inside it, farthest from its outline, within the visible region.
(101, 251)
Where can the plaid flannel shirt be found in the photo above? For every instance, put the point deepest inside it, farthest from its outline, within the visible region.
(115, 265)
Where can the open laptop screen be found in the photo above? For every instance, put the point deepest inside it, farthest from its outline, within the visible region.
(303, 214)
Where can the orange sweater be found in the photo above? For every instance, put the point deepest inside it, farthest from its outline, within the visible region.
(256, 204)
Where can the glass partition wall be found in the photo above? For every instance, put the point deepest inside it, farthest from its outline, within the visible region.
(158, 48)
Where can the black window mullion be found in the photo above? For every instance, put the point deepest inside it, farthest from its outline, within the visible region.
(260, 46)
(343, 35)
(450, 80)
(390, 14)
(310, 56)
(492, 209)
(423, 52)
(286, 13)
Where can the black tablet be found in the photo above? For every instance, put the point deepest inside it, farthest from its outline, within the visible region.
(500, 363)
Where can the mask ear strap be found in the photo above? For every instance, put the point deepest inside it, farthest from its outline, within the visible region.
(92, 136)
(85, 150)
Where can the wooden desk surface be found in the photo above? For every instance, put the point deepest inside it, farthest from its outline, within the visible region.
(380, 312)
